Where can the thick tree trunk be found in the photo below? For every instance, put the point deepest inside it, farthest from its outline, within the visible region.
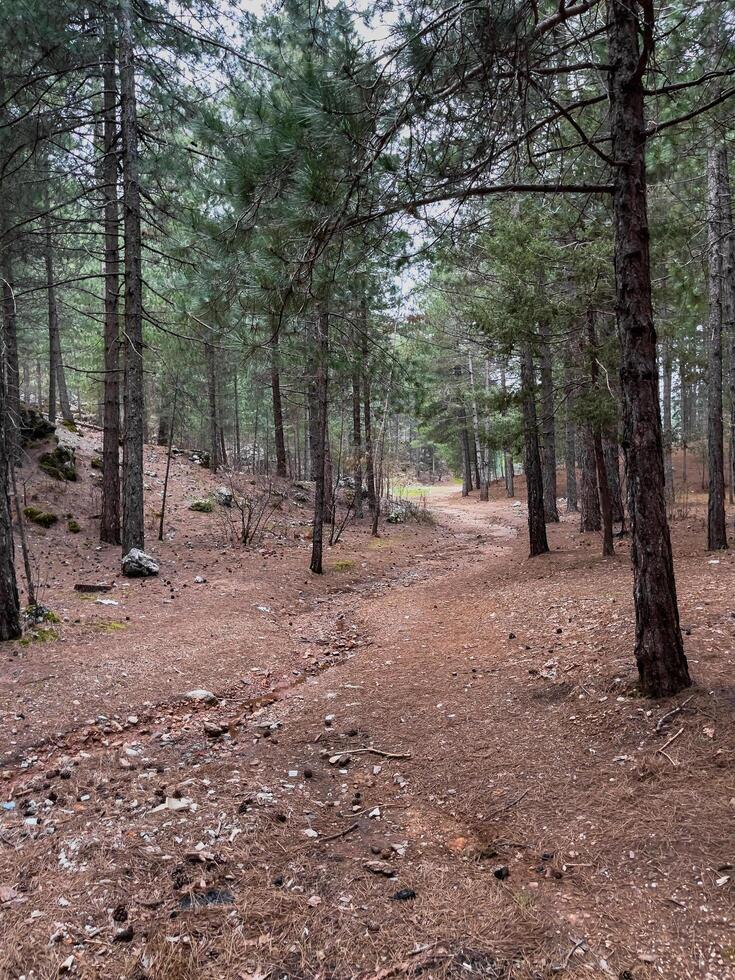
(212, 399)
(548, 429)
(717, 244)
(659, 650)
(133, 531)
(728, 302)
(321, 384)
(10, 625)
(110, 523)
(589, 496)
(281, 469)
(538, 543)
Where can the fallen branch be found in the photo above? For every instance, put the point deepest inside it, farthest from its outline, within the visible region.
(672, 713)
(384, 755)
(662, 750)
(342, 833)
(563, 966)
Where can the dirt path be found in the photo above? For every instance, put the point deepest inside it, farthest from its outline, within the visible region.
(513, 816)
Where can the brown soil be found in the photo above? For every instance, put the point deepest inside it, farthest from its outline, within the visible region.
(443, 710)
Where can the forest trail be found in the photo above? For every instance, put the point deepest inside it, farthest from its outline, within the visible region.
(523, 797)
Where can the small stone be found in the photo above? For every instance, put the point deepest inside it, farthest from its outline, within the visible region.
(404, 895)
(501, 873)
(138, 564)
(124, 935)
(200, 694)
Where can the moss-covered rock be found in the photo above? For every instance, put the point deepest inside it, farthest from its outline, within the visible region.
(34, 427)
(202, 506)
(59, 464)
(70, 425)
(43, 518)
(74, 526)
(96, 463)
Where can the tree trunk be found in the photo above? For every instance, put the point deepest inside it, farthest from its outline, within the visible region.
(659, 650)
(110, 522)
(367, 413)
(667, 423)
(480, 451)
(280, 441)
(612, 468)
(133, 532)
(357, 414)
(728, 301)
(236, 402)
(57, 377)
(570, 454)
(10, 330)
(212, 399)
(321, 384)
(507, 455)
(532, 459)
(10, 625)
(603, 484)
(717, 244)
(548, 429)
(589, 497)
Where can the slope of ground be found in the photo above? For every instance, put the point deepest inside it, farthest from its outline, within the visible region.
(447, 770)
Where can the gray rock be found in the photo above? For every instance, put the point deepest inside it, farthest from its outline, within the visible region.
(224, 496)
(200, 694)
(137, 564)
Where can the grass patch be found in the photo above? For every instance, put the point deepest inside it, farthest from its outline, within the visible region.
(111, 626)
(343, 565)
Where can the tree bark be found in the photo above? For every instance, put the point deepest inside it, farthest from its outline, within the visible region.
(10, 624)
(548, 429)
(659, 651)
(133, 531)
(603, 484)
(538, 544)
(667, 422)
(612, 468)
(212, 399)
(281, 469)
(357, 413)
(717, 243)
(589, 497)
(57, 377)
(367, 414)
(10, 330)
(570, 454)
(110, 522)
(321, 385)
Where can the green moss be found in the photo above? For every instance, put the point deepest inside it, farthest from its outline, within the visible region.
(41, 517)
(202, 506)
(111, 626)
(74, 526)
(43, 634)
(70, 425)
(59, 464)
(343, 565)
(96, 463)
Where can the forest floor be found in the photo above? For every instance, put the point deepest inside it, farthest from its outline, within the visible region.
(432, 760)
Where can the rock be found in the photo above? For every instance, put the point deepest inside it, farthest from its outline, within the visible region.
(501, 873)
(200, 694)
(202, 506)
(137, 564)
(224, 496)
(404, 895)
(213, 729)
(59, 464)
(384, 868)
(124, 935)
(34, 427)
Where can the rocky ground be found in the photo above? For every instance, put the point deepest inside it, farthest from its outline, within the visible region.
(433, 760)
